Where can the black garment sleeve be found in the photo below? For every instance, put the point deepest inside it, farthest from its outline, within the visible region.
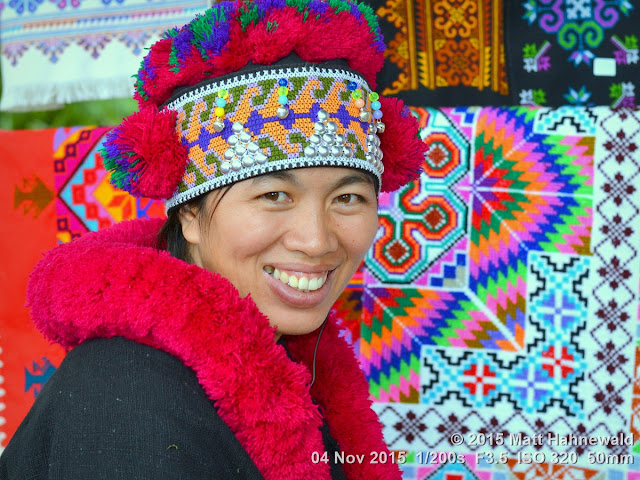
(118, 410)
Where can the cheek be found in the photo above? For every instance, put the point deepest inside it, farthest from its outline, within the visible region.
(359, 236)
(239, 239)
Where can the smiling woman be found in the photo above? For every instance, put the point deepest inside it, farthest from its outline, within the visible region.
(205, 347)
(304, 233)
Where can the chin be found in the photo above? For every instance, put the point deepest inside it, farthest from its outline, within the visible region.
(297, 322)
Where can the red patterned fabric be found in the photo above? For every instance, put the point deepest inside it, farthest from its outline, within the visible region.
(56, 192)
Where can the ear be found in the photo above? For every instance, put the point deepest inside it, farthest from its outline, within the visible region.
(188, 216)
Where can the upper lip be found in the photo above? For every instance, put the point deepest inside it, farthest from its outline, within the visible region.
(299, 268)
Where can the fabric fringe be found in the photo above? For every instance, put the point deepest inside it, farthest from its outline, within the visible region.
(52, 96)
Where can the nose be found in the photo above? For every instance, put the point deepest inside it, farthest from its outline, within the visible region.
(312, 232)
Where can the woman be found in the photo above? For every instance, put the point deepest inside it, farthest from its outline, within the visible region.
(206, 347)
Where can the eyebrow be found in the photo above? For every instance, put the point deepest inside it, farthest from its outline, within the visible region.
(283, 175)
(355, 178)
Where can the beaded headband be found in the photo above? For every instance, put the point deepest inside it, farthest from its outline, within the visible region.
(244, 90)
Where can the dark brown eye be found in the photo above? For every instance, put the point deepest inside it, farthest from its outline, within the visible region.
(348, 198)
(275, 196)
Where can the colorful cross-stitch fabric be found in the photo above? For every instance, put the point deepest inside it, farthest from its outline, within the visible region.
(573, 52)
(59, 51)
(500, 300)
(56, 193)
(443, 52)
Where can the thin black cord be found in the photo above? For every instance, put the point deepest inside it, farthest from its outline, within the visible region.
(315, 351)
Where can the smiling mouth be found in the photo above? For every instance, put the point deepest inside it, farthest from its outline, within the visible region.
(308, 283)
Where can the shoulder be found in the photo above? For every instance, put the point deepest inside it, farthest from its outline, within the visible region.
(118, 409)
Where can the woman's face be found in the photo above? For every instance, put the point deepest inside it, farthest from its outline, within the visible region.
(290, 239)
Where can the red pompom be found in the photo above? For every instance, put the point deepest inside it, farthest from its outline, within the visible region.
(401, 146)
(145, 154)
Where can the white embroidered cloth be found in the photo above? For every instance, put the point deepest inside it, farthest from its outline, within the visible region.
(60, 51)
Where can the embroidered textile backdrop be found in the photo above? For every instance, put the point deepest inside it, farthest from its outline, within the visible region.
(501, 294)
(60, 51)
(495, 52)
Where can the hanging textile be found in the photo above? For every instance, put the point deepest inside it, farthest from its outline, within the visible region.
(573, 52)
(60, 51)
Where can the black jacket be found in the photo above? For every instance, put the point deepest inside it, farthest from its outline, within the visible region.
(199, 388)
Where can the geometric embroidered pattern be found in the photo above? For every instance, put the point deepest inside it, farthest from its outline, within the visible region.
(315, 96)
(550, 373)
(426, 219)
(527, 192)
(616, 242)
(85, 199)
(525, 322)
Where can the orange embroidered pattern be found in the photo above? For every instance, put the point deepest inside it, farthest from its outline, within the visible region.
(446, 43)
(252, 124)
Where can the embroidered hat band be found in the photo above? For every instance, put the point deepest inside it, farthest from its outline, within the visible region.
(275, 119)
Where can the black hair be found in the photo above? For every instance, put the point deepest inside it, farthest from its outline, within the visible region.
(171, 232)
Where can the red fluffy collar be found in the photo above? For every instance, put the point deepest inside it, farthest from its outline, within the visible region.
(123, 286)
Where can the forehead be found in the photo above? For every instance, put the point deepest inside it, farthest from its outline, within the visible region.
(329, 177)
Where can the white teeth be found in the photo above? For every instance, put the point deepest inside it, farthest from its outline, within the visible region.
(303, 284)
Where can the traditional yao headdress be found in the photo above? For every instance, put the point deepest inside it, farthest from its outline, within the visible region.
(252, 87)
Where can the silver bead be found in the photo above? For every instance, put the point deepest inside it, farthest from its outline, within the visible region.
(369, 146)
(315, 139)
(225, 167)
(253, 147)
(322, 115)
(371, 137)
(332, 127)
(282, 112)
(372, 128)
(335, 151)
(229, 154)
(376, 142)
(381, 167)
(328, 139)
(218, 126)
(244, 137)
(247, 161)
(380, 155)
(380, 127)
(309, 151)
(368, 157)
(339, 139)
(364, 116)
(237, 127)
(232, 140)
(323, 151)
(347, 152)
(240, 150)
(261, 158)
(236, 165)
(318, 127)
